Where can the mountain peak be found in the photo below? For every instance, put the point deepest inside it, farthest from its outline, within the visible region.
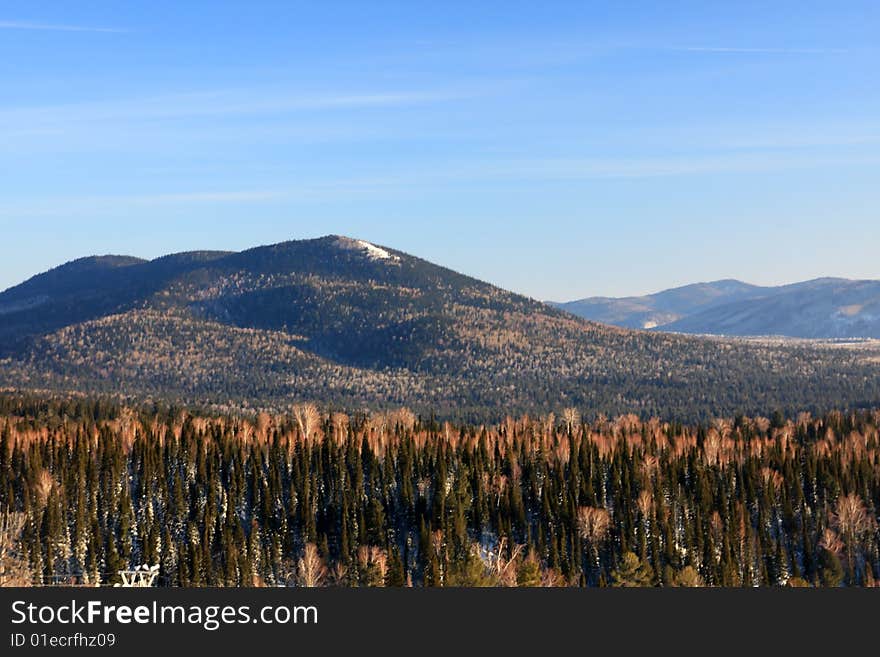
(368, 249)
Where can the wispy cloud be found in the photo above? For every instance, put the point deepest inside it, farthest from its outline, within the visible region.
(554, 169)
(653, 167)
(760, 51)
(115, 203)
(54, 27)
(419, 181)
(216, 104)
(198, 197)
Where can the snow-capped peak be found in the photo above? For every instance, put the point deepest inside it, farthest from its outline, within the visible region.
(372, 251)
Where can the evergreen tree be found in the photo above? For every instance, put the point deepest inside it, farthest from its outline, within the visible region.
(631, 572)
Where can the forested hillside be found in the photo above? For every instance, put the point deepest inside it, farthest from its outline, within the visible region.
(317, 498)
(345, 322)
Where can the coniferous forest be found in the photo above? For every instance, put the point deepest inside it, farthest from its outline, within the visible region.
(320, 498)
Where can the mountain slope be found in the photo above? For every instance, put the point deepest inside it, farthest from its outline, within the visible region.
(348, 323)
(827, 308)
(822, 308)
(660, 308)
(86, 289)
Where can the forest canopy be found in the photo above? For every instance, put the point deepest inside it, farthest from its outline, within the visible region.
(311, 497)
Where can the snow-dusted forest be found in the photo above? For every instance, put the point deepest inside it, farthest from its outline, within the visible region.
(319, 498)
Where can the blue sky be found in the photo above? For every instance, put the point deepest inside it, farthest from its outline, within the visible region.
(557, 149)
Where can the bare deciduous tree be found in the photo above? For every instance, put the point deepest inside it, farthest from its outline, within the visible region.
(772, 479)
(593, 524)
(572, 418)
(372, 565)
(13, 567)
(831, 541)
(851, 518)
(645, 503)
(402, 417)
(712, 447)
(502, 567)
(548, 423)
(311, 571)
(44, 485)
(307, 418)
(340, 425)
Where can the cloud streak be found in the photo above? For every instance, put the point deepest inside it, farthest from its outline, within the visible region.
(53, 27)
(216, 104)
(760, 51)
(381, 185)
(115, 203)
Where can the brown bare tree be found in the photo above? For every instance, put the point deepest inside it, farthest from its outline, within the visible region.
(44, 485)
(502, 567)
(340, 425)
(572, 418)
(307, 418)
(14, 569)
(372, 565)
(593, 524)
(851, 519)
(311, 571)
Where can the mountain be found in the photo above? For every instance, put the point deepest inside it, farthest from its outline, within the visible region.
(662, 308)
(821, 308)
(349, 323)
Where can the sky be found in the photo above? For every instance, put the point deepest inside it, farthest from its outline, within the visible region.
(560, 150)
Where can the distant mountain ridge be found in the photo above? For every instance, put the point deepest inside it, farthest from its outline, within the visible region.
(355, 325)
(824, 308)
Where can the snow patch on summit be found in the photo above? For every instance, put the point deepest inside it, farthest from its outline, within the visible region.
(372, 251)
